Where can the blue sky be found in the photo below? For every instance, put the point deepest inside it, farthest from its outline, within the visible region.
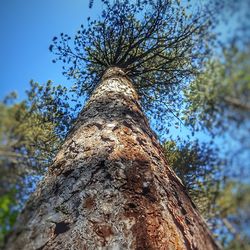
(26, 30)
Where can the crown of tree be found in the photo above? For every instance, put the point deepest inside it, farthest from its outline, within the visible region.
(158, 44)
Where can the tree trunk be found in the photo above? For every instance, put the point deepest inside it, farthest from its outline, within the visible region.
(110, 186)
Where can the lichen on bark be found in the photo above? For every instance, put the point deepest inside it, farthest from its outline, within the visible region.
(110, 186)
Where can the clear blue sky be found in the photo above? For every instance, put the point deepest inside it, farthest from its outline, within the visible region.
(26, 30)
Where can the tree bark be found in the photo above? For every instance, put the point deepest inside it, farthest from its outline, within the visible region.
(110, 186)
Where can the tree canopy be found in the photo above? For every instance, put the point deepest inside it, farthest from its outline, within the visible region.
(159, 44)
(221, 94)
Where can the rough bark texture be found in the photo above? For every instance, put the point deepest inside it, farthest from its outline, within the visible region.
(110, 186)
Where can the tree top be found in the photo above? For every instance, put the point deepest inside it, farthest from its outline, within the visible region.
(157, 43)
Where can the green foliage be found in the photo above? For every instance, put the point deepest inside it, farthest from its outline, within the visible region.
(8, 213)
(199, 168)
(220, 96)
(31, 133)
(234, 197)
(238, 245)
(233, 209)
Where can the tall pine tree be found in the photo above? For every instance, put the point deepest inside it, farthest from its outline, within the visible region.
(110, 186)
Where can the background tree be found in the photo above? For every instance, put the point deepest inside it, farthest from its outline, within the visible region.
(233, 211)
(31, 132)
(199, 167)
(221, 94)
(217, 102)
